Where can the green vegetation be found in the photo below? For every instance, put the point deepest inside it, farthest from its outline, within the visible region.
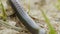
(57, 5)
(3, 10)
(51, 28)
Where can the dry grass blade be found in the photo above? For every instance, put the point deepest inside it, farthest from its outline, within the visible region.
(4, 16)
(4, 23)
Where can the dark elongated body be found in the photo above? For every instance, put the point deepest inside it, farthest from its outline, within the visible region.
(24, 18)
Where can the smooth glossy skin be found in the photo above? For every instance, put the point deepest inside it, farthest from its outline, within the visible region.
(25, 19)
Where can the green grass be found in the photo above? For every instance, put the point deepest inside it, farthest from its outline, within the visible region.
(57, 5)
(51, 28)
(3, 10)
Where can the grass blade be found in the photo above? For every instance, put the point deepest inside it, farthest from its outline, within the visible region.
(4, 12)
(51, 28)
(4, 23)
